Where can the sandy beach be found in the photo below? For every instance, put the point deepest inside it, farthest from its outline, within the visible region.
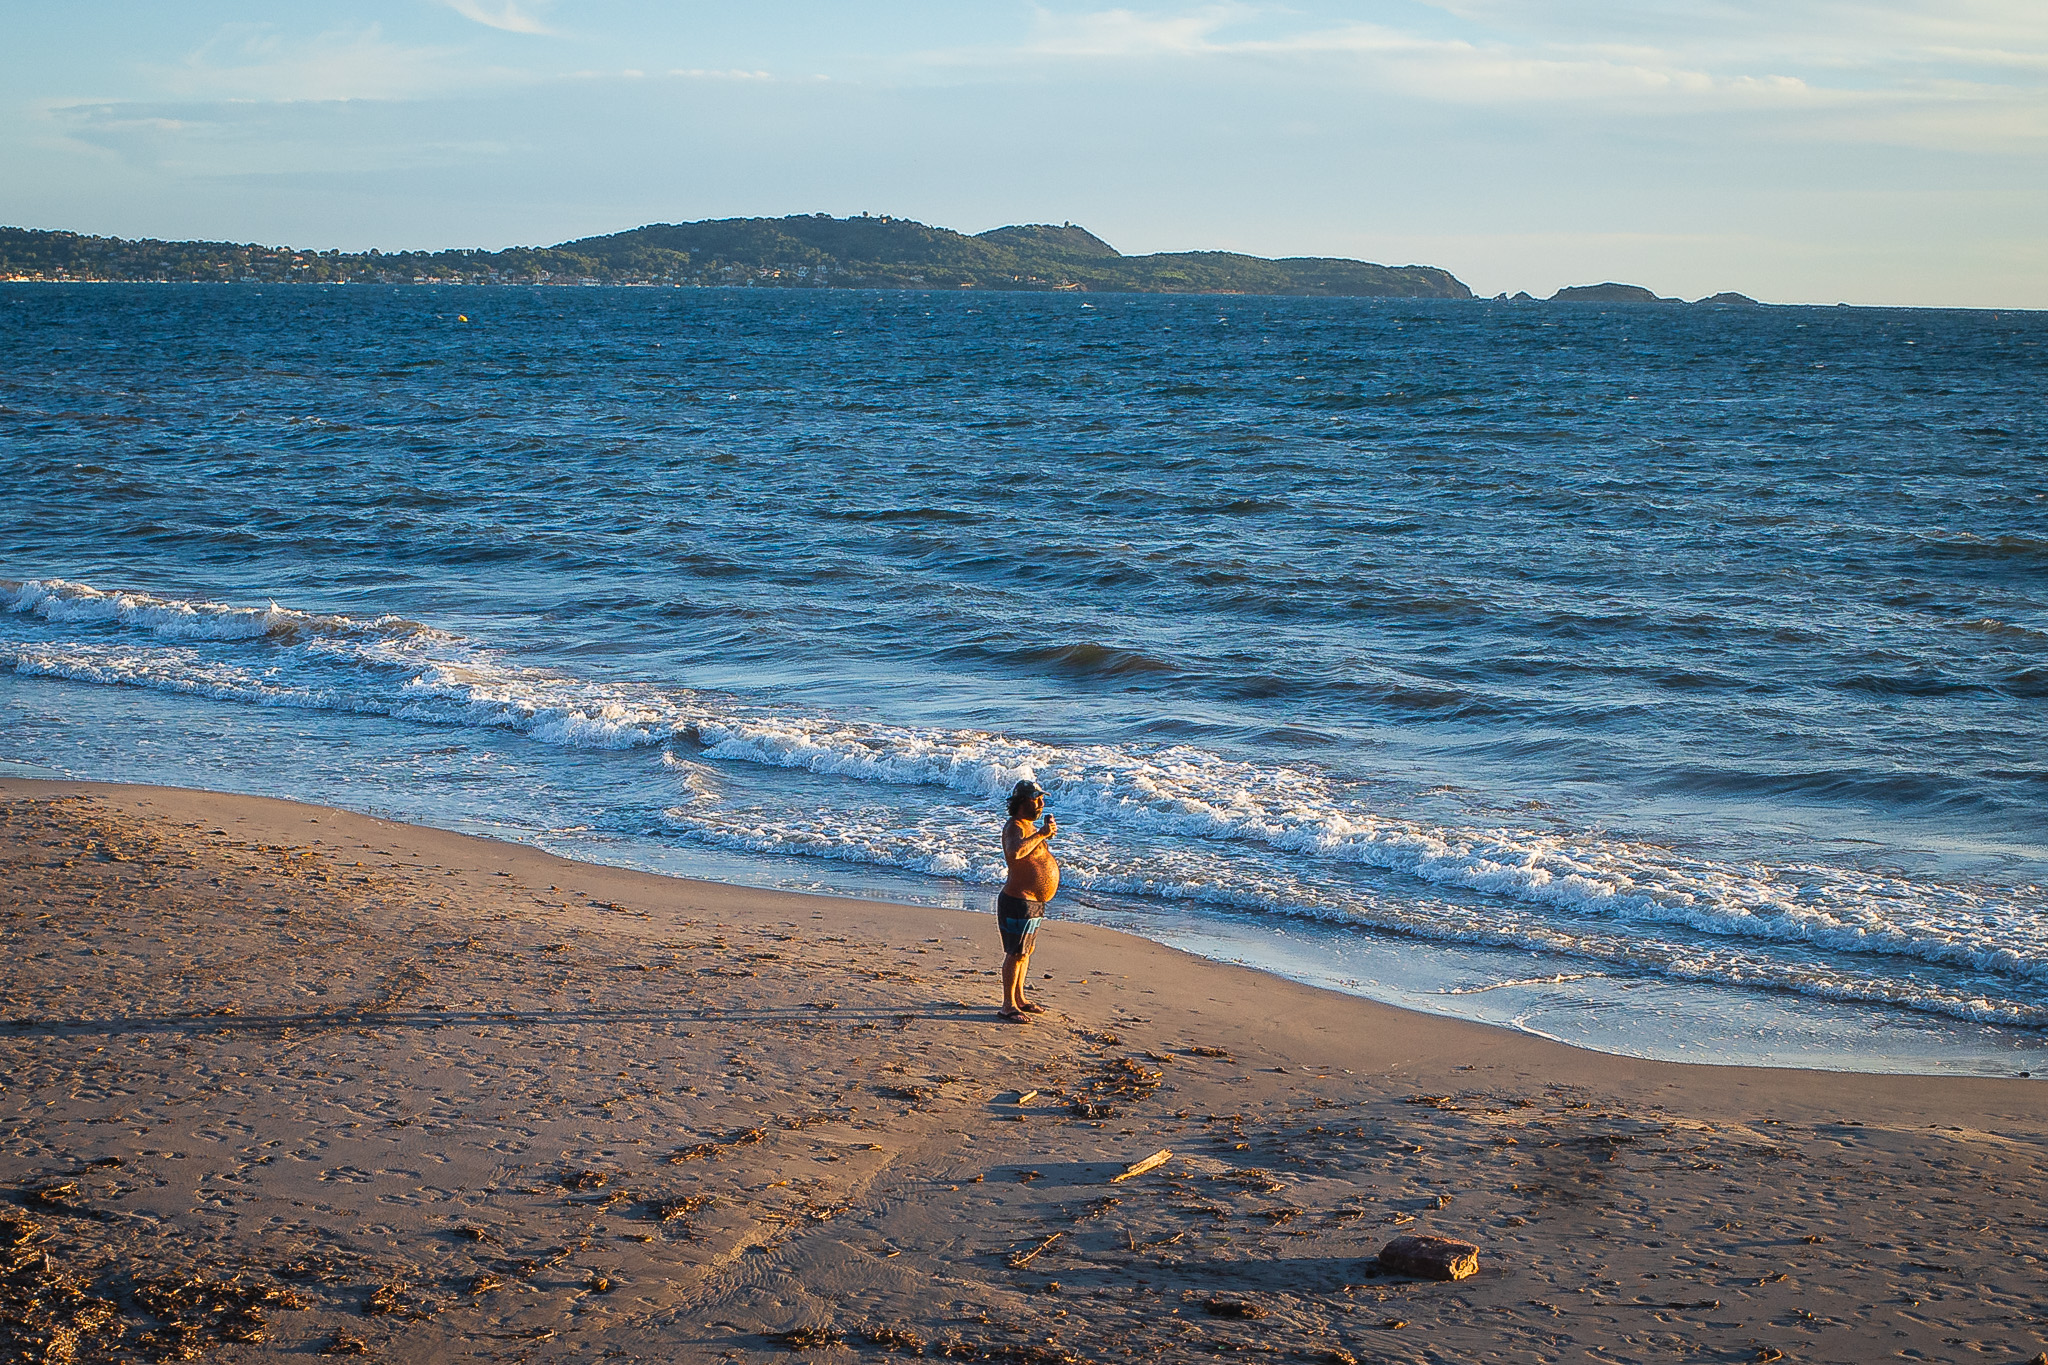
(279, 1080)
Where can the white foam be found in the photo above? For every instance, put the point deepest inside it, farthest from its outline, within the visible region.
(59, 601)
(937, 845)
(1265, 836)
(1191, 794)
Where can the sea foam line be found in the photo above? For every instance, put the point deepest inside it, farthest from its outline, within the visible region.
(390, 666)
(1431, 921)
(60, 601)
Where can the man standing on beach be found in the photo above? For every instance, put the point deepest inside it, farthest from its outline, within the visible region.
(1020, 907)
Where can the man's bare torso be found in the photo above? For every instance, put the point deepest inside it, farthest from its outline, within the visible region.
(1036, 874)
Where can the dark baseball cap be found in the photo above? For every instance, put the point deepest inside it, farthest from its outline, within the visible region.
(1027, 788)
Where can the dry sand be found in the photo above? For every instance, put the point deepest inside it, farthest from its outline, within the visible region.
(276, 1079)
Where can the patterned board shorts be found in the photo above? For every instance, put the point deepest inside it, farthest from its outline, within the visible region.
(1018, 919)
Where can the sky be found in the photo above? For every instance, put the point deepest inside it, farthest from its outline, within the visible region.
(1817, 151)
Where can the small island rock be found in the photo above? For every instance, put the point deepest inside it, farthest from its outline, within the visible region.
(1606, 293)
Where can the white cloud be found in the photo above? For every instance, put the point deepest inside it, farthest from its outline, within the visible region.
(1992, 57)
(1128, 33)
(249, 62)
(512, 16)
(1435, 68)
(265, 138)
(1911, 72)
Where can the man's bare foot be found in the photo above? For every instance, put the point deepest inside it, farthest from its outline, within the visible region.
(1014, 1016)
(1032, 1007)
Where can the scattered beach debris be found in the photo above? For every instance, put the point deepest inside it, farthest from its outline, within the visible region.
(955, 1347)
(197, 1312)
(706, 1150)
(1233, 1308)
(1126, 1079)
(61, 1196)
(46, 1315)
(667, 1210)
(1097, 1207)
(398, 1300)
(1118, 1079)
(343, 1344)
(585, 1180)
(891, 1338)
(16, 1230)
(807, 1338)
(1429, 1257)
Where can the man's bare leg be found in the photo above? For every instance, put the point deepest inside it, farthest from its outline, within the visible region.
(1016, 967)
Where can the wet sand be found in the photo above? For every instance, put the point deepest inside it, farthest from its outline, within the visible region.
(277, 1080)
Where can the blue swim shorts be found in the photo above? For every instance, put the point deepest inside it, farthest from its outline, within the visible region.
(1018, 919)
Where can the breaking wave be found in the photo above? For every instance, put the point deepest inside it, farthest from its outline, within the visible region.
(1162, 820)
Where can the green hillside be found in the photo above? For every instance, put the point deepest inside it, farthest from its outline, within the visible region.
(802, 252)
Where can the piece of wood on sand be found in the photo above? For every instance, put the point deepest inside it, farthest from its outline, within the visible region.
(1024, 1258)
(1150, 1163)
(1429, 1257)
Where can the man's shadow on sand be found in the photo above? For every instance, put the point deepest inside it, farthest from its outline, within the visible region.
(228, 1020)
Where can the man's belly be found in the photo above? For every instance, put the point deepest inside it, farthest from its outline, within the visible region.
(1036, 880)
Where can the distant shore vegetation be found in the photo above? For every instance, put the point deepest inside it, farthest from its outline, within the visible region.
(801, 252)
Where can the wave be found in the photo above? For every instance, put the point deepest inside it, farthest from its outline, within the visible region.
(1164, 795)
(1994, 548)
(61, 602)
(1086, 659)
(931, 851)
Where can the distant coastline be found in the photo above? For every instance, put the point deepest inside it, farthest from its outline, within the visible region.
(799, 252)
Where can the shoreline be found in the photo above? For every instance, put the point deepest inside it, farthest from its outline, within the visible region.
(1580, 1002)
(463, 1098)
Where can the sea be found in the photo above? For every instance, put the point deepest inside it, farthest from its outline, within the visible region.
(1668, 680)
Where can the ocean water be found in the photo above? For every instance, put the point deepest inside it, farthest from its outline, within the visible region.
(1669, 680)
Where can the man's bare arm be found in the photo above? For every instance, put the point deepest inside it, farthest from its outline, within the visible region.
(1018, 847)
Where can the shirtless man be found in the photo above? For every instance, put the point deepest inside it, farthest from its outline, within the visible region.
(1034, 878)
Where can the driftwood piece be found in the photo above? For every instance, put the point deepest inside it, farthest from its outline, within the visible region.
(1150, 1163)
(1430, 1258)
(1027, 1257)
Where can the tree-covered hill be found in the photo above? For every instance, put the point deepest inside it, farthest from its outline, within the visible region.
(803, 251)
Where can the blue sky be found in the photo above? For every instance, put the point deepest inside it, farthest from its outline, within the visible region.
(1884, 151)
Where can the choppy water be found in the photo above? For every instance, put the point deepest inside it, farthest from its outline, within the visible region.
(1659, 677)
